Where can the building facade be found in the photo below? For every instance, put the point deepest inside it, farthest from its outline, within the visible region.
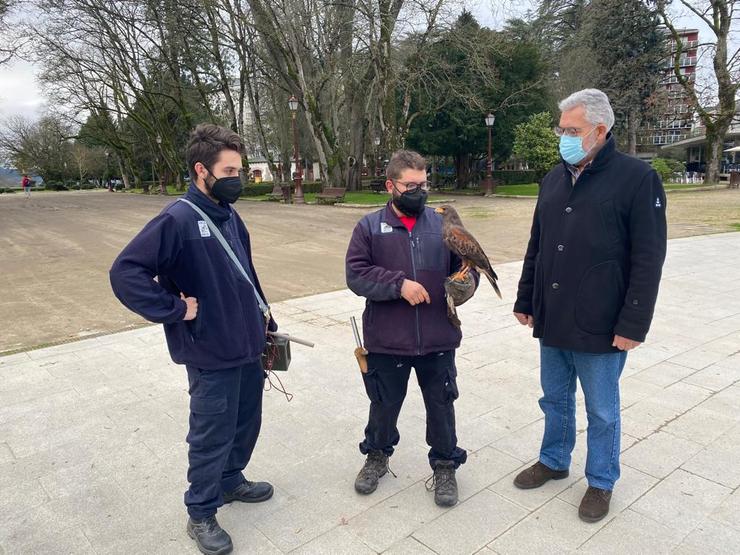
(675, 122)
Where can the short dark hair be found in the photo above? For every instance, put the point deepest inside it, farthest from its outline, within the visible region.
(206, 141)
(404, 160)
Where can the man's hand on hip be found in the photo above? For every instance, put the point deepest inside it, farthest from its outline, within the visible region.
(624, 344)
(192, 304)
(524, 319)
(414, 292)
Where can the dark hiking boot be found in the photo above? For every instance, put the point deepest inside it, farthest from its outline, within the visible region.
(444, 484)
(376, 465)
(209, 536)
(537, 475)
(250, 492)
(595, 504)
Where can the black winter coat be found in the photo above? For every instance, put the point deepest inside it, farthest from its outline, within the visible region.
(595, 254)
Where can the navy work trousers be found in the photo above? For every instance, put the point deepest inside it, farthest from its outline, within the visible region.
(386, 383)
(225, 419)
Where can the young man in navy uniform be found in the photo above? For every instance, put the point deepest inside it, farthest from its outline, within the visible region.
(176, 272)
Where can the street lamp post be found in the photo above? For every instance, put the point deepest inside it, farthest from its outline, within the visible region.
(107, 176)
(490, 118)
(376, 142)
(293, 105)
(162, 186)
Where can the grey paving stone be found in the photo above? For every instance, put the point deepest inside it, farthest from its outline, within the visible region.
(728, 511)
(718, 461)
(471, 525)
(664, 374)
(715, 377)
(660, 454)
(700, 425)
(698, 358)
(682, 501)
(335, 541)
(553, 528)
(65, 542)
(306, 519)
(710, 537)
(5, 453)
(484, 468)
(395, 518)
(631, 532)
(408, 546)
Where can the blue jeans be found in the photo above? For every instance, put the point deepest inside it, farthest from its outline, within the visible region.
(599, 377)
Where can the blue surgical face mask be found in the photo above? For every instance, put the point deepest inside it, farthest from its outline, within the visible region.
(571, 148)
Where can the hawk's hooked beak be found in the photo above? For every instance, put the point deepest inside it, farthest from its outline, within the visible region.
(439, 210)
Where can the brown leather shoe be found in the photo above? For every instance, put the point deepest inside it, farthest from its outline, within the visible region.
(537, 475)
(595, 504)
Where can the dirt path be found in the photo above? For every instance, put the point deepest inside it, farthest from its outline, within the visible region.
(56, 249)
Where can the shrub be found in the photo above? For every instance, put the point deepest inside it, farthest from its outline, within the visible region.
(661, 166)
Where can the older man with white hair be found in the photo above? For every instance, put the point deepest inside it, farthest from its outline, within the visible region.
(588, 288)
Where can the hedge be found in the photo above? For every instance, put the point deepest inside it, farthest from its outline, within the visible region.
(516, 177)
(261, 189)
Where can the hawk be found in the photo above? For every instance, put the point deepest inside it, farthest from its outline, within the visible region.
(463, 244)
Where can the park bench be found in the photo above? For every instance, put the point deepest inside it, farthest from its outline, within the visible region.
(331, 195)
(734, 179)
(377, 185)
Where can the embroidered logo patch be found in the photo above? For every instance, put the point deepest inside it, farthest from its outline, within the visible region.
(657, 202)
(385, 228)
(203, 228)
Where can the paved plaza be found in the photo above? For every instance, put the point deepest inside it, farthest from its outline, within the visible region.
(93, 454)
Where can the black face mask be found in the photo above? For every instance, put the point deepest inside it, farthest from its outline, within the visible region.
(226, 189)
(411, 203)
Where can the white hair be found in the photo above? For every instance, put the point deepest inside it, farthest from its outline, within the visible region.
(596, 104)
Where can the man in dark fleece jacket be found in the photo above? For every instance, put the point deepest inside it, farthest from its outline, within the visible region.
(176, 272)
(588, 288)
(396, 260)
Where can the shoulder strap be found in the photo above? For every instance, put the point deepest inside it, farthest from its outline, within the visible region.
(217, 233)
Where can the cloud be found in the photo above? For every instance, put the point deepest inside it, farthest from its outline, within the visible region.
(20, 93)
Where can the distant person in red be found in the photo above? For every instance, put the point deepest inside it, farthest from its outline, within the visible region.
(26, 184)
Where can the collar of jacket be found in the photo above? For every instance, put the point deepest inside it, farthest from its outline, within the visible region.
(602, 157)
(219, 213)
(392, 219)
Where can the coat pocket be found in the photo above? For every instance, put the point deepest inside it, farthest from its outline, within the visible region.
(430, 253)
(600, 298)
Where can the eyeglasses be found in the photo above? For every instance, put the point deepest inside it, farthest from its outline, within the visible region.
(411, 186)
(568, 131)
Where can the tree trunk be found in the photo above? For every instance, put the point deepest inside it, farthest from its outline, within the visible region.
(358, 132)
(462, 169)
(714, 155)
(632, 128)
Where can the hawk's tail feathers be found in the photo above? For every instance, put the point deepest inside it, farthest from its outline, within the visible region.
(492, 277)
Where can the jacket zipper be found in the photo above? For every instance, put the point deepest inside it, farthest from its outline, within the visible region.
(416, 308)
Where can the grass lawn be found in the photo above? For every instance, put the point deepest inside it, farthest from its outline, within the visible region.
(360, 197)
(531, 189)
(526, 190)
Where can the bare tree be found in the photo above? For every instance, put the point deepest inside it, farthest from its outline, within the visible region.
(715, 103)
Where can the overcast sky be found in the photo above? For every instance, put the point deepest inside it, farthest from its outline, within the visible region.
(21, 94)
